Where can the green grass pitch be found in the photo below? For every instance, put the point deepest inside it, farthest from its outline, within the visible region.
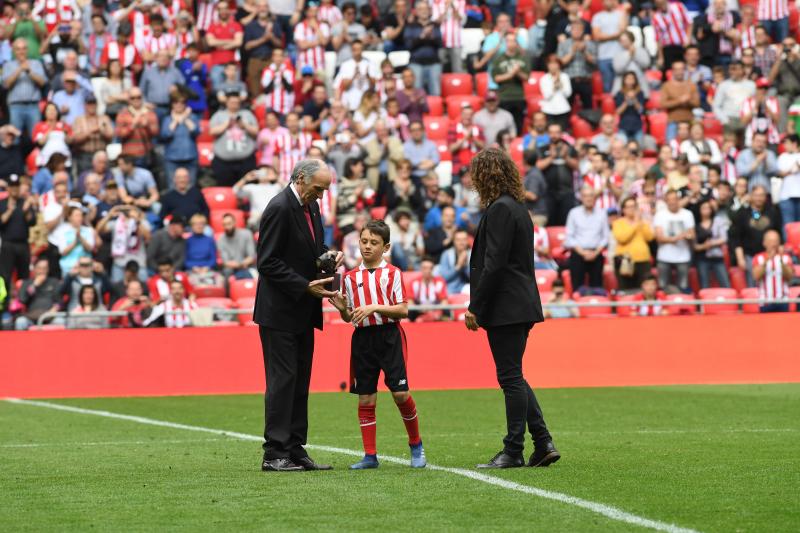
(709, 458)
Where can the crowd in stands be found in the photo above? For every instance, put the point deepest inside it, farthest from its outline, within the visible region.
(140, 140)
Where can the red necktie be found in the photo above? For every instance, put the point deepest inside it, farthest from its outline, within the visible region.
(307, 211)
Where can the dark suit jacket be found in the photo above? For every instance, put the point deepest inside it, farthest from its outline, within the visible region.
(286, 263)
(502, 283)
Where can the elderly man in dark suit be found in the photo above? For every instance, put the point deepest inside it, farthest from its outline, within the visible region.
(505, 301)
(287, 309)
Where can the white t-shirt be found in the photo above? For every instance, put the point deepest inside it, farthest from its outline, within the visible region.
(673, 224)
(352, 96)
(790, 188)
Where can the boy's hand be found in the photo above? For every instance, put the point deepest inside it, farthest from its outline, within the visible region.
(339, 302)
(362, 313)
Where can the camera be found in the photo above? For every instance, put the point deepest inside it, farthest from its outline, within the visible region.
(326, 268)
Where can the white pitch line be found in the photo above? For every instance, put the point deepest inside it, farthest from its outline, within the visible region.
(104, 443)
(605, 510)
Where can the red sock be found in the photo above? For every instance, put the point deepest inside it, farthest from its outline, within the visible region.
(408, 410)
(366, 419)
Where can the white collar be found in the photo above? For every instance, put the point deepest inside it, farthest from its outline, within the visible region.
(296, 194)
(382, 265)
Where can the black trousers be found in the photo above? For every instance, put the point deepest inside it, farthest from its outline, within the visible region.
(671, 54)
(287, 365)
(641, 270)
(579, 267)
(581, 90)
(14, 256)
(517, 110)
(508, 346)
(226, 173)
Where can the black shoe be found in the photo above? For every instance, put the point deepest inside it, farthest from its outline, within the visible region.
(544, 455)
(282, 464)
(504, 460)
(307, 463)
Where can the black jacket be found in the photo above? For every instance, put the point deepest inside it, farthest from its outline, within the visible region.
(286, 263)
(502, 283)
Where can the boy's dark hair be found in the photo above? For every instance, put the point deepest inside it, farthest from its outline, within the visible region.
(428, 259)
(378, 227)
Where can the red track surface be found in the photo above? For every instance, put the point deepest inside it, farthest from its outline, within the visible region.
(561, 353)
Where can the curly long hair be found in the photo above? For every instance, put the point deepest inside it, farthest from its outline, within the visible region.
(494, 174)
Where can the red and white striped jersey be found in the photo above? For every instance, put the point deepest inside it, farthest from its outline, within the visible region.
(772, 9)
(291, 150)
(314, 56)
(605, 197)
(153, 44)
(648, 307)
(433, 291)
(182, 40)
(672, 26)
(748, 38)
(206, 14)
(451, 15)
(675, 144)
(729, 173)
(772, 286)
(328, 200)
(382, 286)
(329, 14)
(466, 154)
(540, 240)
(171, 10)
(762, 123)
(278, 99)
(127, 57)
(55, 12)
(140, 22)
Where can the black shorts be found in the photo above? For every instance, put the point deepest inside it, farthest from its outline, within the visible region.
(376, 348)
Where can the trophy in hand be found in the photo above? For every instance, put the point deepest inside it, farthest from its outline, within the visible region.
(326, 268)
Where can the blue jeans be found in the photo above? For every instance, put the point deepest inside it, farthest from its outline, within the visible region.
(171, 166)
(705, 267)
(429, 77)
(790, 212)
(775, 308)
(503, 6)
(777, 29)
(24, 117)
(217, 75)
(606, 68)
(672, 130)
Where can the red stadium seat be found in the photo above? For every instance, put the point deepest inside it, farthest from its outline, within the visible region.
(534, 105)
(610, 282)
(712, 125)
(408, 279)
(737, 278)
(378, 213)
(719, 295)
(794, 293)
(482, 83)
(654, 102)
(435, 106)
(626, 310)
(653, 76)
(242, 288)
(566, 279)
(531, 86)
(456, 83)
(218, 303)
(456, 299)
(260, 111)
(601, 311)
(658, 126)
(207, 60)
(205, 135)
(245, 303)
(750, 293)
(209, 291)
(607, 105)
(30, 162)
(436, 128)
(206, 151)
(581, 129)
(217, 214)
(444, 150)
(224, 324)
(516, 151)
(456, 102)
(557, 235)
(686, 309)
(597, 87)
(793, 236)
(220, 197)
(545, 279)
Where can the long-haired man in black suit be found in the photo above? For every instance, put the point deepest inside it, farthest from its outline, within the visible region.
(505, 301)
(288, 307)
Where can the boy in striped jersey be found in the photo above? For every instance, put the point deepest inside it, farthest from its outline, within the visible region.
(374, 302)
(773, 271)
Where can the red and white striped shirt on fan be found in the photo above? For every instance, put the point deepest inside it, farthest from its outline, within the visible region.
(127, 56)
(429, 292)
(672, 26)
(540, 240)
(729, 173)
(748, 38)
(314, 56)
(278, 99)
(329, 14)
(206, 15)
(291, 150)
(55, 12)
(451, 15)
(772, 286)
(182, 40)
(382, 286)
(772, 9)
(153, 44)
(605, 197)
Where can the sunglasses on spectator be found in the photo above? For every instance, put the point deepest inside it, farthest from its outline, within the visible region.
(84, 265)
(136, 97)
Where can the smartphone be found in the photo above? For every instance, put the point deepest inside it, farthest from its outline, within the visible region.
(336, 284)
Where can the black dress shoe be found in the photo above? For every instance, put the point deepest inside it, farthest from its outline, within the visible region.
(307, 463)
(504, 460)
(282, 464)
(544, 455)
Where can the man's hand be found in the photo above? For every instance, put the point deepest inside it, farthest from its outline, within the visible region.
(339, 259)
(362, 313)
(471, 321)
(339, 302)
(317, 288)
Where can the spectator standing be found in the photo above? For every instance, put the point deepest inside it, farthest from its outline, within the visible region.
(757, 163)
(25, 27)
(773, 15)
(195, 76)
(403, 194)
(450, 14)
(674, 229)
(789, 171)
(137, 185)
(311, 37)
(630, 101)
(421, 152)
(112, 91)
(39, 295)
(184, 199)
(730, 96)
(699, 149)
(535, 189)
(465, 140)
(356, 76)
(258, 187)
(167, 246)
(231, 82)
(129, 233)
(607, 27)
(384, 152)
(495, 43)
(587, 237)
(607, 134)
(423, 39)
(17, 216)
(578, 56)
(23, 78)
(179, 131)
(510, 70)
(70, 100)
(124, 51)
(679, 97)
(716, 33)
(632, 252)
(454, 263)
(773, 271)
(224, 37)
(291, 147)
(234, 130)
(711, 234)
(493, 119)
(159, 84)
(606, 184)
(260, 37)
(91, 133)
(137, 127)
(347, 32)
(412, 99)
(673, 29)
(556, 90)
(785, 76)
(237, 249)
(353, 195)
(394, 24)
(558, 161)
(631, 59)
(277, 83)
(11, 157)
(761, 113)
(747, 231)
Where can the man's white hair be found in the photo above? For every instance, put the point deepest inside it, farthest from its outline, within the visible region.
(305, 170)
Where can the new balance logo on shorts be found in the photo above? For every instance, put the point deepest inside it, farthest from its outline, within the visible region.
(402, 382)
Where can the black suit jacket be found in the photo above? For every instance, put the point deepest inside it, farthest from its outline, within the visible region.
(502, 283)
(287, 256)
